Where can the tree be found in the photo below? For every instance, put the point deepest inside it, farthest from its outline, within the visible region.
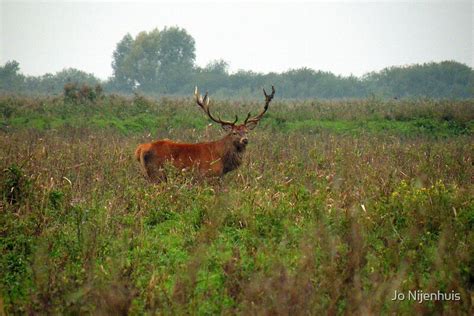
(447, 79)
(119, 65)
(177, 56)
(218, 67)
(156, 61)
(212, 77)
(10, 78)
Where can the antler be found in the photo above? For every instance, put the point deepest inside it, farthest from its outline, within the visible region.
(268, 99)
(204, 104)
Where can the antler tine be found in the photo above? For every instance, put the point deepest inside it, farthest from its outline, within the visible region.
(204, 104)
(228, 122)
(206, 100)
(246, 119)
(268, 99)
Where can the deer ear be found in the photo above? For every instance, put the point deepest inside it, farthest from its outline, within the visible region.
(251, 125)
(227, 127)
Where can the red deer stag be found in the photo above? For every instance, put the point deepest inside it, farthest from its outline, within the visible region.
(212, 159)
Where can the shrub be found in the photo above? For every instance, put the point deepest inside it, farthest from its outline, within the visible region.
(80, 94)
(16, 186)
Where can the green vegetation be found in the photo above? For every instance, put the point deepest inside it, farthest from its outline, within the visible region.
(140, 114)
(337, 204)
(156, 61)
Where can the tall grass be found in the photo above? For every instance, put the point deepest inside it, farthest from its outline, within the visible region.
(317, 220)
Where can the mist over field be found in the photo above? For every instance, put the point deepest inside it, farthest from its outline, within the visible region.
(354, 194)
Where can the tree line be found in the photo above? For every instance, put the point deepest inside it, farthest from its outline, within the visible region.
(162, 62)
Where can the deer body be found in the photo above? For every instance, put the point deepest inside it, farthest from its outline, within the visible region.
(210, 159)
(213, 159)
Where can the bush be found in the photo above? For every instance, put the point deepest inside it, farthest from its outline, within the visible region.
(80, 94)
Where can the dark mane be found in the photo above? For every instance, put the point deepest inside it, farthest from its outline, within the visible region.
(232, 158)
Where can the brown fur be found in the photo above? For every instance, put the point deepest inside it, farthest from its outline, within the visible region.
(213, 159)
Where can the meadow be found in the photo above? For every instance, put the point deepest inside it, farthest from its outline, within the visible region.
(338, 204)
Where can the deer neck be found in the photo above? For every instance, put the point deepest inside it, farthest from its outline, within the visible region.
(231, 154)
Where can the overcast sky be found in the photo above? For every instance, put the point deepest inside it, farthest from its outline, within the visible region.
(350, 37)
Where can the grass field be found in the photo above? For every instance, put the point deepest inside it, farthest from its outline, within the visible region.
(338, 205)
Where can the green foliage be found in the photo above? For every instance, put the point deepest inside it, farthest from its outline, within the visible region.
(10, 78)
(54, 84)
(11, 81)
(447, 79)
(155, 62)
(435, 80)
(161, 63)
(121, 79)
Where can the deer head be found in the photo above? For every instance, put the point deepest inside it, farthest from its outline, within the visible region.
(237, 132)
